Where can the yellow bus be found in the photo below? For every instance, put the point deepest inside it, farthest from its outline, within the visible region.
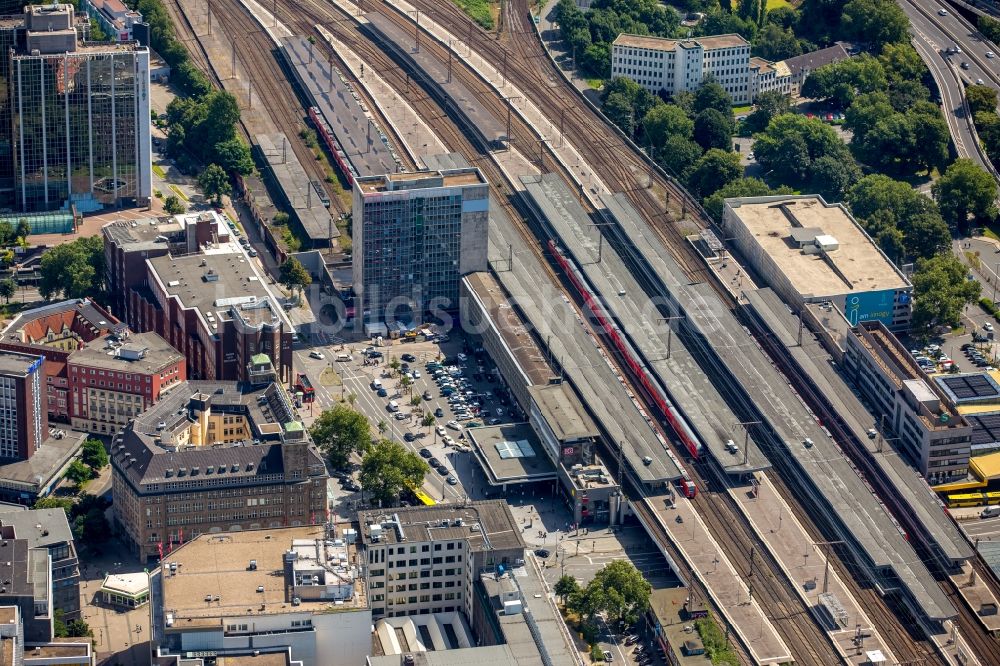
(422, 497)
(966, 499)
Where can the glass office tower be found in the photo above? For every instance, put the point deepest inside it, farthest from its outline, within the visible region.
(80, 119)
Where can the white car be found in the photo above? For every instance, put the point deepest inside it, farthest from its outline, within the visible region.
(454, 425)
(441, 431)
(942, 12)
(988, 326)
(449, 441)
(416, 374)
(990, 54)
(316, 354)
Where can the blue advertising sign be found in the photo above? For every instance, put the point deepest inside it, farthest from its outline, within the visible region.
(870, 305)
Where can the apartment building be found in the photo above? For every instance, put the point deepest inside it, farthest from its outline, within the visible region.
(675, 66)
(425, 559)
(278, 596)
(214, 456)
(909, 407)
(49, 529)
(415, 235)
(118, 377)
(80, 117)
(189, 281)
(767, 76)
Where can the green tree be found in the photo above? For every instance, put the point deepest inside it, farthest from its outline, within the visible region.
(94, 455)
(741, 187)
(926, 235)
(73, 270)
(678, 154)
(842, 81)
(791, 145)
(904, 222)
(428, 420)
(388, 468)
(293, 275)
(63, 503)
(901, 62)
(768, 105)
(774, 43)
(619, 110)
(565, 587)
(618, 592)
(941, 289)
(340, 431)
(666, 120)
(711, 95)
(280, 218)
(965, 189)
(713, 129)
(8, 287)
(876, 22)
(831, 177)
(172, 205)
(214, 183)
(91, 528)
(23, 229)
(713, 170)
(981, 98)
(79, 473)
(990, 27)
(234, 156)
(7, 236)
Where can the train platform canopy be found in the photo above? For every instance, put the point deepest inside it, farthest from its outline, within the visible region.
(296, 187)
(365, 145)
(437, 77)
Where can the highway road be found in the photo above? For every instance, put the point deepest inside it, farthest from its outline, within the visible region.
(931, 41)
(953, 30)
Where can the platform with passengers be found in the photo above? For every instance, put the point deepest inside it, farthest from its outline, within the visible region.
(687, 387)
(828, 477)
(573, 348)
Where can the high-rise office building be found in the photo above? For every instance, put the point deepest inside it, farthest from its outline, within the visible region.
(23, 418)
(80, 117)
(415, 235)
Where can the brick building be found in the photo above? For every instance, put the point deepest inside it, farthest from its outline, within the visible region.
(120, 379)
(188, 280)
(214, 456)
(56, 331)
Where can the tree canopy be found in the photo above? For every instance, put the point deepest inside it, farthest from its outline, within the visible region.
(340, 431)
(388, 468)
(94, 454)
(965, 189)
(214, 183)
(905, 223)
(792, 147)
(713, 170)
(841, 82)
(941, 289)
(618, 592)
(741, 187)
(293, 275)
(73, 270)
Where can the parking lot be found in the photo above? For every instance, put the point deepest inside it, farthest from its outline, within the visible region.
(445, 379)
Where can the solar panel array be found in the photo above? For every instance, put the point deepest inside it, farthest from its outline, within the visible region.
(985, 428)
(966, 387)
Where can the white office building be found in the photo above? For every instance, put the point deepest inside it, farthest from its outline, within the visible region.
(683, 65)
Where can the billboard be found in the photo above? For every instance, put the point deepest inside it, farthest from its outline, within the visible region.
(872, 305)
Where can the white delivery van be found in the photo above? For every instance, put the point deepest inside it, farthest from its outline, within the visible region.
(344, 357)
(393, 406)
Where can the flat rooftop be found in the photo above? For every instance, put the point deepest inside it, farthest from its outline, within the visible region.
(218, 566)
(144, 353)
(367, 149)
(297, 187)
(484, 524)
(59, 647)
(488, 655)
(812, 357)
(511, 453)
(421, 180)
(261, 659)
(41, 469)
(514, 333)
(663, 44)
(14, 363)
(215, 283)
(563, 412)
(601, 391)
(857, 265)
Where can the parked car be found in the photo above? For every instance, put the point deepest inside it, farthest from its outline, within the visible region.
(438, 412)
(442, 470)
(424, 453)
(454, 425)
(409, 358)
(452, 480)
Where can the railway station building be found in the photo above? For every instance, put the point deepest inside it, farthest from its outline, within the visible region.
(929, 429)
(415, 236)
(810, 251)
